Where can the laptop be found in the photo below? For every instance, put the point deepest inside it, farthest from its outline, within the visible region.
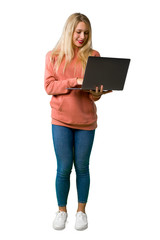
(106, 71)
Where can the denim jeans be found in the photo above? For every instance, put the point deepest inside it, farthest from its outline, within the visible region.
(72, 146)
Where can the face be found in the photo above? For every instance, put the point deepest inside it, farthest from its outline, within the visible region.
(80, 35)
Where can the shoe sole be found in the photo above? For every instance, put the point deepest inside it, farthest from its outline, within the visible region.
(58, 228)
(81, 229)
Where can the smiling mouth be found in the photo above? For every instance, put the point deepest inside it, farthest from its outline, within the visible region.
(81, 41)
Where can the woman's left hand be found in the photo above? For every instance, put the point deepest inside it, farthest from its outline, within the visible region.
(99, 92)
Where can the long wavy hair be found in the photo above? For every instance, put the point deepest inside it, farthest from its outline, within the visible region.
(65, 48)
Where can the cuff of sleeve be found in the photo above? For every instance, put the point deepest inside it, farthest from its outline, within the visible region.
(72, 82)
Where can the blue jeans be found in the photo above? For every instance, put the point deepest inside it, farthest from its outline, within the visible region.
(72, 146)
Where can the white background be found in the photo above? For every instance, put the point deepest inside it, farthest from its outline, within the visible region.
(125, 193)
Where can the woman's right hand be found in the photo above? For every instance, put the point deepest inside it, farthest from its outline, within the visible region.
(79, 81)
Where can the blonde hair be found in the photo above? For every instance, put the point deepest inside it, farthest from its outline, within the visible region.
(64, 47)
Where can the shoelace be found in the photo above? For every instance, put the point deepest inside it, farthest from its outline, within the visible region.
(60, 215)
(82, 216)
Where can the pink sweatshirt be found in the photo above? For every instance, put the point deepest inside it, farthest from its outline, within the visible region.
(70, 108)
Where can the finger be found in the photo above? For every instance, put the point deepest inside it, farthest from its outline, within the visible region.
(96, 89)
(101, 89)
(92, 92)
(107, 91)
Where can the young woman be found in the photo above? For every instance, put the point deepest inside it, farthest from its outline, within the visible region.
(74, 118)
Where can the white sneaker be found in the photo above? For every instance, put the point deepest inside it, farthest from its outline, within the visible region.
(81, 221)
(60, 220)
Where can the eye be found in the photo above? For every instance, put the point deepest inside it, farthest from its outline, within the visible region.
(86, 33)
(78, 32)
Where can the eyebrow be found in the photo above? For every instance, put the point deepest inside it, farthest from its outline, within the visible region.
(82, 30)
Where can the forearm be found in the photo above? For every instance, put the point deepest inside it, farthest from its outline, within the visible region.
(55, 87)
(52, 85)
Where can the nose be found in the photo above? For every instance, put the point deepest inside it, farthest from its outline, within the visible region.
(82, 35)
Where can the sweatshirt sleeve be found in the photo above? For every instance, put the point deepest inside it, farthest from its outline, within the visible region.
(51, 84)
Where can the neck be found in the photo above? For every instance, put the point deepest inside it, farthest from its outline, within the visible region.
(76, 49)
